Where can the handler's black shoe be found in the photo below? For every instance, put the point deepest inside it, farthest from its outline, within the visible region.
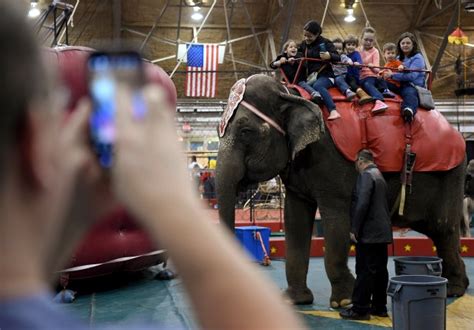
(349, 314)
(379, 313)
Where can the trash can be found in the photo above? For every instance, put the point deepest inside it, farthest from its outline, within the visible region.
(418, 266)
(418, 302)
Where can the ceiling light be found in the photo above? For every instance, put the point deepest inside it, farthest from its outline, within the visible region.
(350, 16)
(34, 10)
(197, 16)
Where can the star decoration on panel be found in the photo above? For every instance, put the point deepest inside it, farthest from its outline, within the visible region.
(273, 250)
(464, 249)
(407, 248)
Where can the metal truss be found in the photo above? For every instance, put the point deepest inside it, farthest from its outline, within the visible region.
(53, 23)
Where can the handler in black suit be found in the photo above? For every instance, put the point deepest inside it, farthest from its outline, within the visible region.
(371, 230)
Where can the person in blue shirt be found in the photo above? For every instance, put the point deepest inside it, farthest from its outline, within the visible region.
(408, 53)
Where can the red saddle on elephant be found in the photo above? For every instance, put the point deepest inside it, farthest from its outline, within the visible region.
(438, 146)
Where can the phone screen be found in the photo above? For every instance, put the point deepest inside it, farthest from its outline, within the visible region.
(105, 71)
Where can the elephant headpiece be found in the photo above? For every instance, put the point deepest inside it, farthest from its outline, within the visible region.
(290, 115)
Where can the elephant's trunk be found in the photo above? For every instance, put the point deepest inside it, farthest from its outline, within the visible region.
(229, 172)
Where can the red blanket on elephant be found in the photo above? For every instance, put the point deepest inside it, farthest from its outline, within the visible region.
(438, 146)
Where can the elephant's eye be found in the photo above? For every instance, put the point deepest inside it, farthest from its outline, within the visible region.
(245, 132)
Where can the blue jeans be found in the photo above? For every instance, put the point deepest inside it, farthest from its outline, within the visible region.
(341, 83)
(307, 87)
(321, 85)
(409, 96)
(370, 84)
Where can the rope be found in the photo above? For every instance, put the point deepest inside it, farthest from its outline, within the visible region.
(266, 259)
(325, 12)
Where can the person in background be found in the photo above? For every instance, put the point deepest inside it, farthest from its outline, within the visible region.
(369, 72)
(408, 53)
(352, 77)
(47, 165)
(287, 61)
(315, 46)
(391, 63)
(195, 173)
(468, 202)
(371, 230)
(340, 70)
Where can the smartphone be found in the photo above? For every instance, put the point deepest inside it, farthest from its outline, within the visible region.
(105, 71)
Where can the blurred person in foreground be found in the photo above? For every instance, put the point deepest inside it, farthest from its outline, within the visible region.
(47, 177)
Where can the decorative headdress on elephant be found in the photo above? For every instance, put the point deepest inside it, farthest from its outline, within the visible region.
(300, 120)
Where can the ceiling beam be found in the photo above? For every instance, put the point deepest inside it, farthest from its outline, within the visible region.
(429, 18)
(142, 46)
(449, 28)
(420, 12)
(191, 26)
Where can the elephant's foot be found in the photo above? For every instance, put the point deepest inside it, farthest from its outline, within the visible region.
(457, 286)
(341, 295)
(456, 290)
(341, 304)
(300, 296)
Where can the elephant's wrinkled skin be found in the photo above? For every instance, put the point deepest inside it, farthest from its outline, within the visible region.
(251, 151)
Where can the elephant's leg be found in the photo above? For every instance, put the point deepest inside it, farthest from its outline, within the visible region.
(336, 226)
(446, 240)
(299, 220)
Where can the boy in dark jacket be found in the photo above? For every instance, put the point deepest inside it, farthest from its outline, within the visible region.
(288, 62)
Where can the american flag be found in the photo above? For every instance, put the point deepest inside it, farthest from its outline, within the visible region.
(201, 72)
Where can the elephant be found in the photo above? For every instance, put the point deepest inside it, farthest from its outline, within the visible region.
(293, 142)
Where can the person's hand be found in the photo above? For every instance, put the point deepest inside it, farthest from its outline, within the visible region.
(350, 62)
(149, 168)
(401, 67)
(79, 188)
(370, 65)
(356, 63)
(387, 74)
(291, 60)
(325, 55)
(353, 237)
(283, 60)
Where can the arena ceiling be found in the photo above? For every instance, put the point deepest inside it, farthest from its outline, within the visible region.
(256, 30)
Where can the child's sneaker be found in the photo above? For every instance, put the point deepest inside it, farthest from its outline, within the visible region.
(379, 107)
(316, 97)
(350, 95)
(333, 114)
(388, 93)
(407, 115)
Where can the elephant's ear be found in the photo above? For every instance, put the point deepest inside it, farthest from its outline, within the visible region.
(304, 122)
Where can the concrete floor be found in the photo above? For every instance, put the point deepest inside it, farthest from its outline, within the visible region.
(143, 299)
